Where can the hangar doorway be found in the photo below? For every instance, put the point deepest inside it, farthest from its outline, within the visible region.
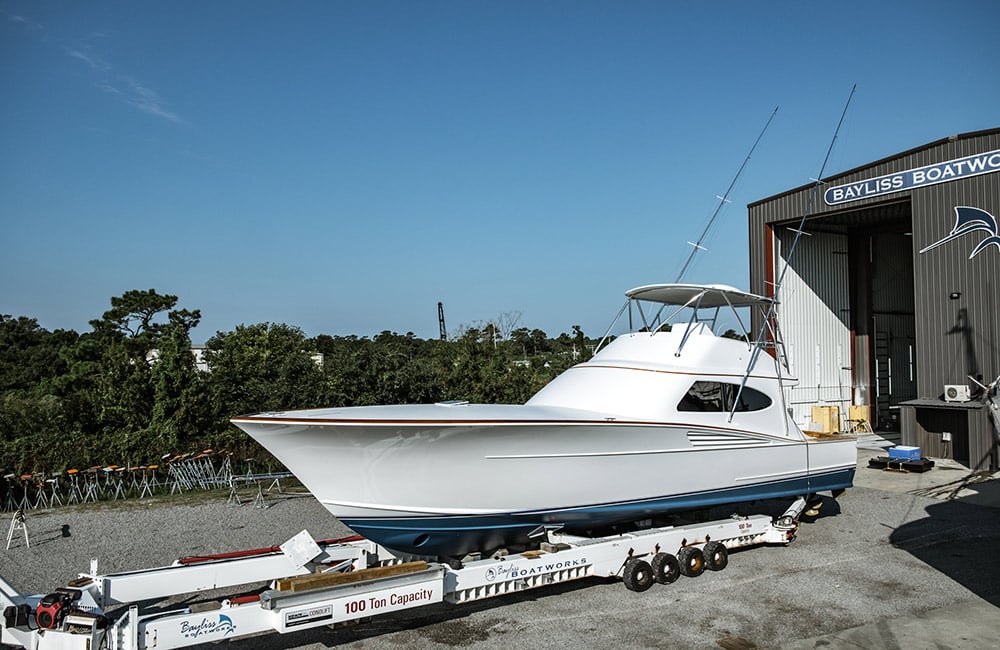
(848, 312)
(890, 328)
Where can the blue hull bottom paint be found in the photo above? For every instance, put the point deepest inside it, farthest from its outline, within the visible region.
(455, 536)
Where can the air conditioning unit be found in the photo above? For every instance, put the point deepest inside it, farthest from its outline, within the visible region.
(956, 393)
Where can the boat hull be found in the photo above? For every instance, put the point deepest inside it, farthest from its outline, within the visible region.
(446, 488)
(456, 535)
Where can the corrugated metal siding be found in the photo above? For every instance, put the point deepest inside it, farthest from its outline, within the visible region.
(959, 336)
(813, 315)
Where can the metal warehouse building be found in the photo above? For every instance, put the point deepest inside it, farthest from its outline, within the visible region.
(892, 299)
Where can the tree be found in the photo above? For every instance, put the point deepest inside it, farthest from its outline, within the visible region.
(389, 369)
(521, 338)
(254, 368)
(733, 334)
(33, 421)
(540, 342)
(136, 373)
(129, 390)
(132, 315)
(30, 352)
(506, 323)
(179, 415)
(35, 433)
(484, 372)
(342, 368)
(123, 397)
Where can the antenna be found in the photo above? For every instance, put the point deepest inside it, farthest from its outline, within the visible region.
(724, 199)
(444, 331)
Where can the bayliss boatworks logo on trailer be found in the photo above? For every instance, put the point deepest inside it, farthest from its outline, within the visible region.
(222, 627)
(511, 571)
(969, 220)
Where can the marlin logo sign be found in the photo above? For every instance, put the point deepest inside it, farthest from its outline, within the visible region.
(969, 220)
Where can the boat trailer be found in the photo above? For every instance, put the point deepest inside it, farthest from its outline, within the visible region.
(304, 584)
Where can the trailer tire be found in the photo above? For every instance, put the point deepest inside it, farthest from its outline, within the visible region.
(666, 569)
(716, 556)
(691, 560)
(637, 575)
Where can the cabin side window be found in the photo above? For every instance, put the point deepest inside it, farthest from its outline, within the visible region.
(719, 397)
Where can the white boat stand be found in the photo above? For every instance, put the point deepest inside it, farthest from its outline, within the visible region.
(17, 523)
(308, 584)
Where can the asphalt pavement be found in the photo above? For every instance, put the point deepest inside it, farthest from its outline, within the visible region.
(951, 540)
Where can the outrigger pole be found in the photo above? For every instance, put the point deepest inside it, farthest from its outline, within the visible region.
(812, 201)
(723, 200)
(769, 314)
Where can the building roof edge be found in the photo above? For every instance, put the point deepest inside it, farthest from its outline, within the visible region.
(908, 152)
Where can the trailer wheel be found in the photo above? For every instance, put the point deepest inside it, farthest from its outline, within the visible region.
(666, 569)
(692, 562)
(716, 556)
(637, 575)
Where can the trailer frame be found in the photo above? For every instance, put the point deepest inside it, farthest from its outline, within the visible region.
(303, 584)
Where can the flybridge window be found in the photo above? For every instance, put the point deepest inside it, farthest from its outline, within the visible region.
(719, 397)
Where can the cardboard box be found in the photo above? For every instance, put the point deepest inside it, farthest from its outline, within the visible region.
(828, 418)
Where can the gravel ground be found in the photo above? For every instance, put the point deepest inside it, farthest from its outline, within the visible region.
(872, 555)
(128, 535)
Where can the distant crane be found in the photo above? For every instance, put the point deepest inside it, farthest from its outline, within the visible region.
(444, 331)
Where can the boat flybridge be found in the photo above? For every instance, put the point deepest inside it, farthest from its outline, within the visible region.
(665, 418)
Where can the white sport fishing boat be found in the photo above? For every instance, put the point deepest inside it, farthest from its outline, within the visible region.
(660, 420)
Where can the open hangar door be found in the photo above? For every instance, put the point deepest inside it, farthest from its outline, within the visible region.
(847, 312)
(814, 320)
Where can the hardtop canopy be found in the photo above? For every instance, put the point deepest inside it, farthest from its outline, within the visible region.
(701, 296)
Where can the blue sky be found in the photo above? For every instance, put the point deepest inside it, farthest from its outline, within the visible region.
(344, 166)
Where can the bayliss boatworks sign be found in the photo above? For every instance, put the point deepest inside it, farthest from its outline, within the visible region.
(982, 163)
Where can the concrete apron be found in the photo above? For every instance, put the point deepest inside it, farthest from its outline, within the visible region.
(965, 626)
